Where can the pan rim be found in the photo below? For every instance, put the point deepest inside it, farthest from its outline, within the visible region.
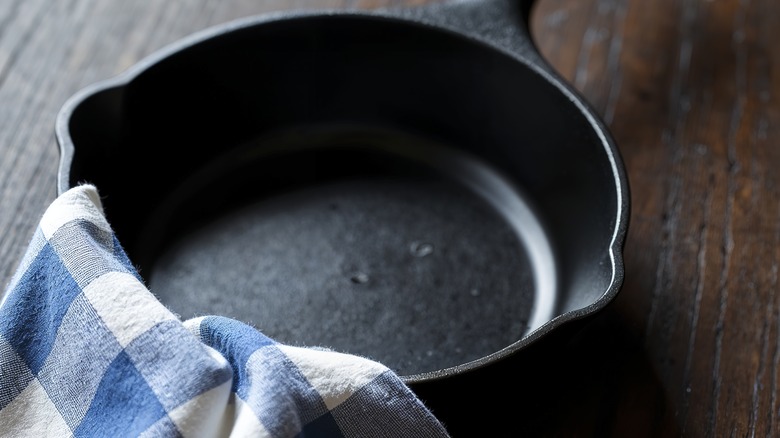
(67, 149)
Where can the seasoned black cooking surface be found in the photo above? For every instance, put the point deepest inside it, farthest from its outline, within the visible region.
(390, 269)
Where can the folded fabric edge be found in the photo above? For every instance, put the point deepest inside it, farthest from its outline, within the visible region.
(79, 202)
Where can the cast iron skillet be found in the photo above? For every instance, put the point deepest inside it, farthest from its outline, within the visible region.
(415, 185)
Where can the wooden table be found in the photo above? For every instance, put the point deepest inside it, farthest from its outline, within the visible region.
(690, 91)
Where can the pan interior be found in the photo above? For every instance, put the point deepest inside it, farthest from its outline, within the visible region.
(369, 242)
(226, 132)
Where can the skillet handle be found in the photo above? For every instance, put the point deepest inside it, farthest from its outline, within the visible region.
(502, 23)
(526, 7)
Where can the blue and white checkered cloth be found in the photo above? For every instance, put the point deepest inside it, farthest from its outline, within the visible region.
(86, 350)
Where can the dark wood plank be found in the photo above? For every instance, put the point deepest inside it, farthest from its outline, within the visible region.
(694, 119)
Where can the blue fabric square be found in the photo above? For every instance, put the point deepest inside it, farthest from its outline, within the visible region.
(164, 427)
(83, 350)
(325, 426)
(124, 404)
(400, 412)
(86, 250)
(236, 341)
(31, 316)
(14, 374)
(175, 364)
(287, 401)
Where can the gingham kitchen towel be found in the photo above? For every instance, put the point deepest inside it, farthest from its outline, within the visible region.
(86, 350)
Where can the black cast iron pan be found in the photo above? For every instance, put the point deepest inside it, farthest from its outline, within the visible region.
(414, 185)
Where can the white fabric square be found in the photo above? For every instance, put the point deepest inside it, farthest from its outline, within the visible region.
(32, 414)
(125, 305)
(335, 376)
(211, 414)
(246, 423)
(82, 202)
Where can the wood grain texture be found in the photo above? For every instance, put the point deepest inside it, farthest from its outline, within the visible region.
(690, 90)
(690, 94)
